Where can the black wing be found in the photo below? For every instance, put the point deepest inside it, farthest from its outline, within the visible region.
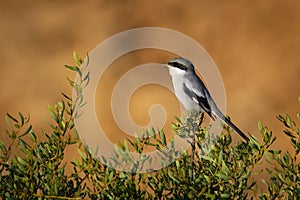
(199, 99)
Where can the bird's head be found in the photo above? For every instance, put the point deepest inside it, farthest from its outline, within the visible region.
(180, 65)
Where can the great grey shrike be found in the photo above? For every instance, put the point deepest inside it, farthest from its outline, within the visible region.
(192, 93)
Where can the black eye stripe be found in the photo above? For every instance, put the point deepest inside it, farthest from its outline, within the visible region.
(178, 65)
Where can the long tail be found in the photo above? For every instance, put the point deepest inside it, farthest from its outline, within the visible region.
(221, 116)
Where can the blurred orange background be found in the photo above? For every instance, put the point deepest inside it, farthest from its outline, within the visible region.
(255, 44)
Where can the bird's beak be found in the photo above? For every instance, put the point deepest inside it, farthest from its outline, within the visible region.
(165, 65)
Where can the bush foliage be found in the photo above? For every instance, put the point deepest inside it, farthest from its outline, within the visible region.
(31, 168)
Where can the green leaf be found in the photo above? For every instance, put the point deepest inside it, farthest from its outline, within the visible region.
(173, 177)
(126, 145)
(178, 120)
(122, 175)
(223, 176)
(13, 135)
(225, 195)
(206, 178)
(87, 61)
(177, 163)
(137, 139)
(288, 133)
(3, 148)
(225, 169)
(8, 122)
(220, 159)
(81, 153)
(288, 121)
(12, 118)
(260, 127)
(66, 96)
(23, 144)
(254, 142)
(174, 126)
(61, 104)
(76, 59)
(33, 137)
(52, 113)
(211, 196)
(72, 83)
(111, 175)
(150, 132)
(87, 77)
(281, 178)
(162, 138)
(21, 161)
(74, 68)
(75, 162)
(22, 118)
(208, 159)
(29, 129)
(274, 151)
(258, 172)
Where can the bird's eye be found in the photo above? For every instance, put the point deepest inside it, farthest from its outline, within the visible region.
(178, 65)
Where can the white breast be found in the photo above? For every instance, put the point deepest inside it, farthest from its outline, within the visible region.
(177, 79)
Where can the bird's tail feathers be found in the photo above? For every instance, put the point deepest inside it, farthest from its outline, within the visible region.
(225, 120)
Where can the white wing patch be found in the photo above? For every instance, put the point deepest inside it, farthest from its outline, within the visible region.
(195, 100)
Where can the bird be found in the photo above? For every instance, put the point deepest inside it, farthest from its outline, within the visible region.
(192, 92)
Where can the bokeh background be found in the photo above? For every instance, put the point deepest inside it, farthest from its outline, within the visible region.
(255, 44)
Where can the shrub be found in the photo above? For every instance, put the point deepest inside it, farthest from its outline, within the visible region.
(225, 171)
